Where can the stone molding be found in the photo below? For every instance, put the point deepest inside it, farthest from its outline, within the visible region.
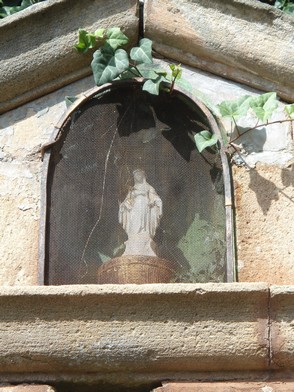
(154, 332)
(26, 388)
(37, 45)
(224, 37)
(228, 38)
(227, 387)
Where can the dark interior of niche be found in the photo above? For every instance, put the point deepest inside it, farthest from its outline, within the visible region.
(90, 171)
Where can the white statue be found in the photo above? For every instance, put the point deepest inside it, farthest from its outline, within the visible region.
(139, 215)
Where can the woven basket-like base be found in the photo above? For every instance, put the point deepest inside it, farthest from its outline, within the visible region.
(136, 269)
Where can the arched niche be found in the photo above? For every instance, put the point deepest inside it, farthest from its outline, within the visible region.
(104, 136)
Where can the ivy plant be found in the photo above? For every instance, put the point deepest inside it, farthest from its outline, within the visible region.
(112, 61)
(285, 5)
(261, 106)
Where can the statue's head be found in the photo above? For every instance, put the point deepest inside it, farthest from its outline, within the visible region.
(139, 175)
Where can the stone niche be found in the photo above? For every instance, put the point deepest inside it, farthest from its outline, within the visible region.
(179, 229)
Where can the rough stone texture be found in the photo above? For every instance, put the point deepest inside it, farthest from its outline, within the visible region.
(22, 132)
(227, 387)
(229, 38)
(282, 323)
(36, 60)
(27, 388)
(264, 200)
(150, 330)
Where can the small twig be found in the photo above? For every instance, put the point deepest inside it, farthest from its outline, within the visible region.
(136, 68)
(132, 72)
(237, 128)
(173, 83)
(240, 156)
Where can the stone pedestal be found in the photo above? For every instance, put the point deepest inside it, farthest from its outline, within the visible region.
(136, 269)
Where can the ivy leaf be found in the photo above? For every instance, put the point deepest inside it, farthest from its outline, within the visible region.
(176, 71)
(204, 139)
(100, 33)
(184, 84)
(285, 6)
(129, 73)
(236, 108)
(121, 59)
(152, 86)
(69, 100)
(86, 41)
(289, 9)
(161, 72)
(289, 109)
(143, 52)
(148, 71)
(108, 64)
(3, 12)
(264, 105)
(116, 38)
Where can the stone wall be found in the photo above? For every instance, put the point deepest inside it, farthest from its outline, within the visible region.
(138, 336)
(37, 44)
(228, 38)
(263, 191)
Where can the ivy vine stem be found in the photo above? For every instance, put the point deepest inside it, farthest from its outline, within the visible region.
(259, 126)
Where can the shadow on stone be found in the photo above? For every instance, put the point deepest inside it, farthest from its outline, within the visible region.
(265, 190)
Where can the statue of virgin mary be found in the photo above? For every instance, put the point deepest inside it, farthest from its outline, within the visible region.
(139, 215)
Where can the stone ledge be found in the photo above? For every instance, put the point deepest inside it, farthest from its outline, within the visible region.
(141, 334)
(151, 330)
(27, 388)
(36, 60)
(282, 326)
(227, 387)
(228, 38)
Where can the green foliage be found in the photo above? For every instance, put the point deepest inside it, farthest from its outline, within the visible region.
(70, 100)
(205, 139)
(112, 37)
(143, 53)
(108, 64)
(115, 38)
(110, 61)
(7, 10)
(236, 108)
(86, 41)
(285, 5)
(176, 71)
(289, 109)
(264, 105)
(152, 85)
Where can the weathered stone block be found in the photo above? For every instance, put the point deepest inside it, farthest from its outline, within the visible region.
(282, 326)
(37, 53)
(227, 387)
(264, 205)
(149, 330)
(228, 38)
(27, 388)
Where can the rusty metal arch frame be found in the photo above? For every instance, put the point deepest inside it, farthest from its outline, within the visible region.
(230, 237)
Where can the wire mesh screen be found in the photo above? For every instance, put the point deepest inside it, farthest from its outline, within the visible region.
(91, 172)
